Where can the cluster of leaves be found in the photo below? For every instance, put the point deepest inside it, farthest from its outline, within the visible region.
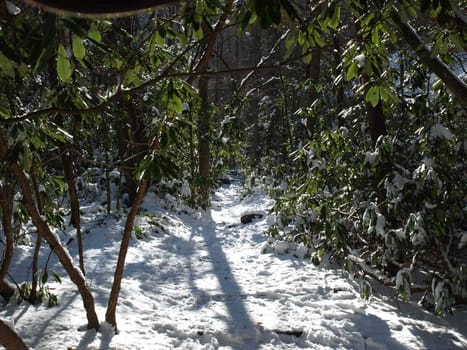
(43, 293)
(396, 206)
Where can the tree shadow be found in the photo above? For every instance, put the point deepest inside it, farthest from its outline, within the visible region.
(240, 325)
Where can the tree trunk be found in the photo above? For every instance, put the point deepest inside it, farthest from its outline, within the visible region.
(75, 220)
(6, 205)
(43, 229)
(313, 71)
(376, 121)
(37, 247)
(110, 315)
(9, 338)
(203, 142)
(35, 269)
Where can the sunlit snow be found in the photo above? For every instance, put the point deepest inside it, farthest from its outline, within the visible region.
(201, 281)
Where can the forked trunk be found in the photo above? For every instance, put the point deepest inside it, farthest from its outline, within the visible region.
(43, 228)
(110, 315)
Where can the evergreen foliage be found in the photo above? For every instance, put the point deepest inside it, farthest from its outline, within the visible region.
(354, 117)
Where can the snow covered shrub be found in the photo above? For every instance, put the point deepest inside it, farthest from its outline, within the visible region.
(398, 208)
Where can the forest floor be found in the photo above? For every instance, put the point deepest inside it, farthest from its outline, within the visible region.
(207, 281)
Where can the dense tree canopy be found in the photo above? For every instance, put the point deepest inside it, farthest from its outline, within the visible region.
(351, 113)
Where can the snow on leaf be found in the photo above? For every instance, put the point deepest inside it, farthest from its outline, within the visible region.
(441, 132)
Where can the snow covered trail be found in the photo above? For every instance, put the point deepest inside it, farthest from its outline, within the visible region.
(200, 281)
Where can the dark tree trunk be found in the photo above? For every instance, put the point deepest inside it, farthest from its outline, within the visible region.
(37, 247)
(132, 142)
(6, 205)
(376, 121)
(75, 219)
(203, 142)
(313, 71)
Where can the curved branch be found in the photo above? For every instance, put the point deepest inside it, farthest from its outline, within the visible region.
(9, 338)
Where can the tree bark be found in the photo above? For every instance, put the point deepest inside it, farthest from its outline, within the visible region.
(110, 315)
(75, 274)
(37, 248)
(10, 339)
(203, 142)
(6, 205)
(75, 220)
(313, 71)
(457, 87)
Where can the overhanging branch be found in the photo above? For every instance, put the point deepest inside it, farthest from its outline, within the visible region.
(133, 91)
(457, 87)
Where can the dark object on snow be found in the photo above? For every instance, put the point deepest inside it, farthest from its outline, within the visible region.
(247, 218)
(295, 333)
(225, 181)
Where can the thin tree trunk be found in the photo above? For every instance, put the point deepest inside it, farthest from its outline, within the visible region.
(6, 205)
(376, 121)
(313, 71)
(9, 338)
(75, 220)
(75, 274)
(37, 247)
(203, 142)
(110, 315)
(35, 269)
(107, 188)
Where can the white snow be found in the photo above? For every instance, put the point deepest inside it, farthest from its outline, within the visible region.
(441, 132)
(201, 282)
(360, 59)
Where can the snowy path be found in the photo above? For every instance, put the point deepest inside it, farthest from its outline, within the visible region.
(202, 283)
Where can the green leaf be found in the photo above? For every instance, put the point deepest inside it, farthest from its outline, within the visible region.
(44, 277)
(94, 34)
(198, 33)
(334, 21)
(290, 40)
(63, 64)
(375, 36)
(352, 71)
(6, 65)
(307, 58)
(78, 47)
(373, 96)
(27, 158)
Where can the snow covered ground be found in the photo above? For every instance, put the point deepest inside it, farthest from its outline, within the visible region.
(201, 281)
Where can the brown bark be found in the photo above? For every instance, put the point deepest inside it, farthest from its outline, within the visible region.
(6, 205)
(10, 339)
(133, 141)
(43, 229)
(75, 219)
(110, 315)
(35, 269)
(457, 87)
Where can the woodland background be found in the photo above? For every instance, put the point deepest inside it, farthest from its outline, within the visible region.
(352, 113)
